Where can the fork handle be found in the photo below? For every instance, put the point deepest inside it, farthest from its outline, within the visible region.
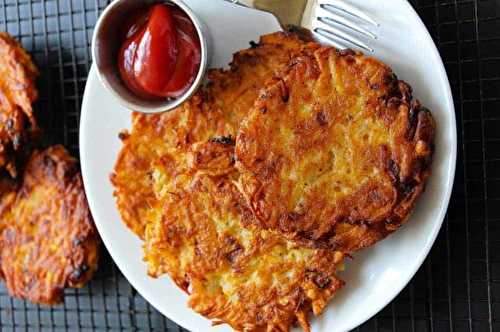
(288, 12)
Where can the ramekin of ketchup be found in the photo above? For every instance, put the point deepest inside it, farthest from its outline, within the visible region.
(152, 56)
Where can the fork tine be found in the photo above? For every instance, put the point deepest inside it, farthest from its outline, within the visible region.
(333, 34)
(332, 21)
(348, 9)
(332, 41)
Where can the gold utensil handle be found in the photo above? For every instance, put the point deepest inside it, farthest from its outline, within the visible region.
(288, 12)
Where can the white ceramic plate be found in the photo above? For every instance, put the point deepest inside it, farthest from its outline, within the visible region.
(377, 274)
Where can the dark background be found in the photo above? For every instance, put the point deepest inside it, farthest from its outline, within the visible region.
(458, 286)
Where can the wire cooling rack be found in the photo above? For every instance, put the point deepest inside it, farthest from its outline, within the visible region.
(458, 286)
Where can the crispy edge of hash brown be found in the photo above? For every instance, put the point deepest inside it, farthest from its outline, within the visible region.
(234, 272)
(49, 241)
(17, 93)
(215, 111)
(335, 152)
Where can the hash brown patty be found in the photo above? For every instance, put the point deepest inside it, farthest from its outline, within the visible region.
(48, 241)
(234, 272)
(17, 93)
(335, 152)
(168, 140)
(194, 218)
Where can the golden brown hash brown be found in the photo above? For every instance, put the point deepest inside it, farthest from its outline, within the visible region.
(335, 153)
(193, 217)
(49, 241)
(215, 111)
(251, 279)
(17, 93)
(8, 189)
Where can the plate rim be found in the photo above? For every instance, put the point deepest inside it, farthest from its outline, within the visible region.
(423, 253)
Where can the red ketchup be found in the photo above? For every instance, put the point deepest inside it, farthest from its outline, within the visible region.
(161, 53)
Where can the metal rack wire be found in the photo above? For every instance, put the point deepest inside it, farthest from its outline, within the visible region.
(457, 288)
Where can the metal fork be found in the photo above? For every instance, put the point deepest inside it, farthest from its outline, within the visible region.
(340, 23)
